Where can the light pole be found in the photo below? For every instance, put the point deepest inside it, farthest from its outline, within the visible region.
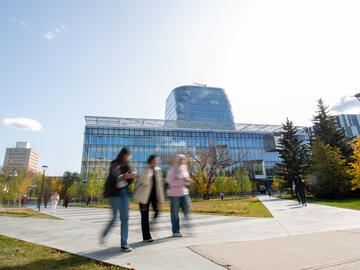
(358, 96)
(44, 167)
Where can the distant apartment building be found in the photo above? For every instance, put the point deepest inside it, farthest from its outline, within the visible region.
(22, 157)
(350, 123)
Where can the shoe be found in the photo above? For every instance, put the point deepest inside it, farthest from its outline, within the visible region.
(102, 240)
(178, 235)
(148, 240)
(126, 249)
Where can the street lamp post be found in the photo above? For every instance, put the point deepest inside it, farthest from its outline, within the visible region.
(42, 185)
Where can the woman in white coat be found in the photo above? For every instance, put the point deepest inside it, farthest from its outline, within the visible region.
(54, 201)
(149, 189)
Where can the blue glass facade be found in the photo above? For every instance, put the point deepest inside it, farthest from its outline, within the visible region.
(104, 137)
(198, 103)
(350, 123)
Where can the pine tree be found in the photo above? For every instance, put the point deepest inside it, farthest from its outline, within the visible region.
(331, 171)
(294, 154)
(326, 129)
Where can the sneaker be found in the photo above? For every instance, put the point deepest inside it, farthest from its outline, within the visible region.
(178, 235)
(148, 240)
(126, 249)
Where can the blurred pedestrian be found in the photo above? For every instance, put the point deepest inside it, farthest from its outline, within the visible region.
(222, 196)
(117, 184)
(302, 190)
(296, 189)
(54, 201)
(88, 201)
(149, 189)
(66, 202)
(178, 179)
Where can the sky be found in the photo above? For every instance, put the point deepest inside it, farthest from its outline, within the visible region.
(62, 60)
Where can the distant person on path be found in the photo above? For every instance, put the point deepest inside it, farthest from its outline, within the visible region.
(66, 202)
(54, 199)
(296, 189)
(88, 201)
(222, 196)
(269, 192)
(178, 179)
(117, 184)
(302, 190)
(149, 189)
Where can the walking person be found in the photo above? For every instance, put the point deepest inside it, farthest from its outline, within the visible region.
(149, 189)
(222, 196)
(66, 202)
(117, 184)
(54, 199)
(296, 184)
(177, 180)
(302, 190)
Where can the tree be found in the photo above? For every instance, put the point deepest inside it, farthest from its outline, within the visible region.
(275, 185)
(293, 153)
(204, 165)
(330, 170)
(67, 180)
(326, 129)
(354, 170)
(244, 185)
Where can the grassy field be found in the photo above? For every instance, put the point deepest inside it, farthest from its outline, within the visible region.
(243, 207)
(24, 213)
(20, 255)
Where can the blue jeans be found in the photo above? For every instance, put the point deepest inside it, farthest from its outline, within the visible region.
(176, 203)
(120, 204)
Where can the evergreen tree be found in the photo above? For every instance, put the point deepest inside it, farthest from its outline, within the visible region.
(326, 129)
(331, 171)
(294, 154)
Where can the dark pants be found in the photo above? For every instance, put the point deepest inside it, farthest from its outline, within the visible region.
(144, 210)
(302, 197)
(297, 193)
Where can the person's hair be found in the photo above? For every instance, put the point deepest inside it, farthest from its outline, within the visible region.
(299, 178)
(120, 157)
(151, 158)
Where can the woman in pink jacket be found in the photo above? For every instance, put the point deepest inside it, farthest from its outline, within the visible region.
(177, 181)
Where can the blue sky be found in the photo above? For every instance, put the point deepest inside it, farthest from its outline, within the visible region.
(61, 60)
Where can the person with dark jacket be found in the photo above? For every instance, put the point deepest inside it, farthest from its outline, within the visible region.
(117, 184)
(296, 184)
(149, 190)
(302, 190)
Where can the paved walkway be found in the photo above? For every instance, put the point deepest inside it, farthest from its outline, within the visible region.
(80, 228)
(318, 237)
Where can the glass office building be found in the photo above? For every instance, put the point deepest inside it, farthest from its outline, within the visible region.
(105, 136)
(350, 123)
(199, 103)
(196, 118)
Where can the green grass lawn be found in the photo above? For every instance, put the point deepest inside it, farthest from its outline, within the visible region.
(24, 213)
(20, 255)
(243, 207)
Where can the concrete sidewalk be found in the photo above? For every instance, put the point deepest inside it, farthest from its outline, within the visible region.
(318, 237)
(223, 240)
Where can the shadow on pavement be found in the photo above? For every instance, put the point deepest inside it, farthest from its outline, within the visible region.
(116, 251)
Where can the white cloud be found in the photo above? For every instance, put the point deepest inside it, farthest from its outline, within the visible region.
(57, 30)
(62, 26)
(49, 35)
(22, 123)
(24, 24)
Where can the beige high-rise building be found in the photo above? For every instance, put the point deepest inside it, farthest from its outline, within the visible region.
(22, 157)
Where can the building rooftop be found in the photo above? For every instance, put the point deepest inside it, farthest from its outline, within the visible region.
(99, 121)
